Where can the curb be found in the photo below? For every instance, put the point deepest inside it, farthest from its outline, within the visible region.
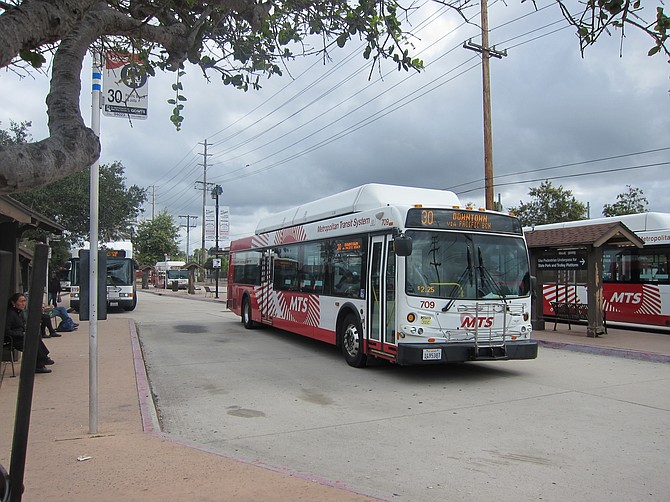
(608, 351)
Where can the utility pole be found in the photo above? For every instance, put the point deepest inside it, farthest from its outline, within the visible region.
(486, 52)
(153, 201)
(203, 252)
(188, 229)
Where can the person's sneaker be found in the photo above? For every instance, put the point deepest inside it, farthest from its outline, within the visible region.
(43, 369)
(55, 335)
(49, 362)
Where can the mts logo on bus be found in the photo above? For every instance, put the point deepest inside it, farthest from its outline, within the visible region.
(298, 304)
(470, 322)
(623, 297)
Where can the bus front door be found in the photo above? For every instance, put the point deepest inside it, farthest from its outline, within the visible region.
(265, 293)
(381, 299)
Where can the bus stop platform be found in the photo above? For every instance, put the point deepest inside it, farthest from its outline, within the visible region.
(128, 458)
(630, 344)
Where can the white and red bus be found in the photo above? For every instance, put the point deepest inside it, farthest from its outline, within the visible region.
(399, 273)
(636, 288)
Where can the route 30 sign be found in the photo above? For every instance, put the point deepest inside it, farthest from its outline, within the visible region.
(126, 87)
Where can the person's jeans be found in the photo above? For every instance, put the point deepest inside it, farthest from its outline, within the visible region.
(60, 312)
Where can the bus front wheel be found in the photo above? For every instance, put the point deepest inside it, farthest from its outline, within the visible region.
(352, 342)
(247, 320)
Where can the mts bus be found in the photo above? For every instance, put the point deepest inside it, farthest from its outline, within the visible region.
(636, 288)
(397, 273)
(121, 291)
(168, 271)
(179, 276)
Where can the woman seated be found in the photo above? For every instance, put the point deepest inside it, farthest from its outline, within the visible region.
(15, 328)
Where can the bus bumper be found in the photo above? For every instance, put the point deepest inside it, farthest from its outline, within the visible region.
(427, 353)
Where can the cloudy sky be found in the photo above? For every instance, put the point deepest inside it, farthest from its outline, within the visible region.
(593, 124)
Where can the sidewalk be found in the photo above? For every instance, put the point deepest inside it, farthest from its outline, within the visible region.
(129, 460)
(642, 345)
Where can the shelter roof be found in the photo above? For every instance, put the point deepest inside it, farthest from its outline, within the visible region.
(615, 233)
(13, 210)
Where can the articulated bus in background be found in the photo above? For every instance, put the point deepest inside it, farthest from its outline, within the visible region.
(636, 288)
(398, 273)
(121, 267)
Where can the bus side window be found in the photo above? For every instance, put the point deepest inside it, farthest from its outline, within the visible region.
(285, 274)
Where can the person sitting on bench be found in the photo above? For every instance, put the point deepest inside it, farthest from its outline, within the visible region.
(15, 328)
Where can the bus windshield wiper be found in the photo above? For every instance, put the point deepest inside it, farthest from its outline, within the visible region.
(459, 283)
(486, 276)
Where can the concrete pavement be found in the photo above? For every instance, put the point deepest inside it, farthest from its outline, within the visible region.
(130, 459)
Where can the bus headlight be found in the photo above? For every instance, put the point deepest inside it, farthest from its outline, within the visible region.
(412, 330)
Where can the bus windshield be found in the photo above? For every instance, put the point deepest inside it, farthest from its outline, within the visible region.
(173, 275)
(471, 266)
(120, 272)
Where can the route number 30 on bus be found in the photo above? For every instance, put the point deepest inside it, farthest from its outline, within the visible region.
(456, 219)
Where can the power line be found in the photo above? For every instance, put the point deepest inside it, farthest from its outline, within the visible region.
(357, 126)
(575, 175)
(572, 164)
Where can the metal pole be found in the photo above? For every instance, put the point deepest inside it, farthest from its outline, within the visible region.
(203, 253)
(93, 255)
(217, 190)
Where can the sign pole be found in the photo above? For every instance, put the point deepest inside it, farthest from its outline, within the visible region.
(94, 189)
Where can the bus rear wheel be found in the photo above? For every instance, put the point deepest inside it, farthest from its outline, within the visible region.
(352, 342)
(247, 320)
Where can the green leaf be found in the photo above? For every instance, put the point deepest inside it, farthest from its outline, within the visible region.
(342, 40)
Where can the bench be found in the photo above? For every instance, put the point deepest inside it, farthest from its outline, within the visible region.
(208, 291)
(571, 312)
(9, 356)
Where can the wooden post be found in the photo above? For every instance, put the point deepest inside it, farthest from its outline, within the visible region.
(595, 292)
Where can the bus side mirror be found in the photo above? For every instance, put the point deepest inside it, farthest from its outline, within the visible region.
(402, 245)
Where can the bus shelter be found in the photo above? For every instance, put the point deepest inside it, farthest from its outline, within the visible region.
(566, 257)
(15, 219)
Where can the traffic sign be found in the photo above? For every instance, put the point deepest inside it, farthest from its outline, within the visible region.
(558, 259)
(126, 87)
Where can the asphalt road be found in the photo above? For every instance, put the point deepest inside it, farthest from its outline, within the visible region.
(567, 426)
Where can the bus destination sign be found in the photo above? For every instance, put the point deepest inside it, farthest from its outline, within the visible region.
(115, 253)
(457, 219)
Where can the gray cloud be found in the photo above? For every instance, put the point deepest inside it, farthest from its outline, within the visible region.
(550, 107)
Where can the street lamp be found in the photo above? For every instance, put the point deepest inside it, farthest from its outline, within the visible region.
(216, 192)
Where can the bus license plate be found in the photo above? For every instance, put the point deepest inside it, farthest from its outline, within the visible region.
(432, 354)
